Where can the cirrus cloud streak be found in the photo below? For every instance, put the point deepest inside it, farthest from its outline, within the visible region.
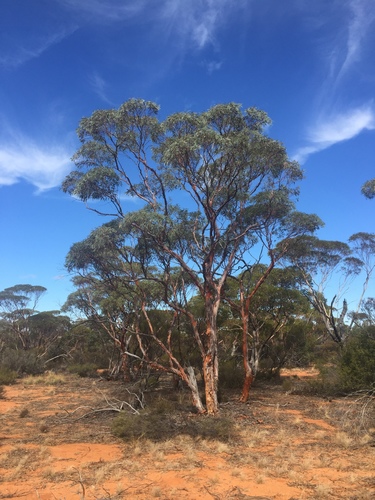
(43, 167)
(335, 129)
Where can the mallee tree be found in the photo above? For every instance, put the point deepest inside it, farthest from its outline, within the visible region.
(212, 186)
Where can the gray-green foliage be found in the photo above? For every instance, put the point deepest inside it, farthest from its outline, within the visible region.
(319, 261)
(21, 361)
(156, 426)
(235, 188)
(17, 304)
(7, 376)
(368, 189)
(357, 363)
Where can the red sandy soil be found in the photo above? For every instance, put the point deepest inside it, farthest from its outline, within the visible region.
(287, 446)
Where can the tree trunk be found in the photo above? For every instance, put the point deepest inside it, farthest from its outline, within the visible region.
(125, 368)
(210, 360)
(210, 384)
(193, 386)
(125, 361)
(249, 375)
(250, 367)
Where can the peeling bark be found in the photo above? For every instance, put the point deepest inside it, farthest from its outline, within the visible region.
(193, 386)
(210, 359)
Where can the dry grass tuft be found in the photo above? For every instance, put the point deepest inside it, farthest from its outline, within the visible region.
(24, 413)
(156, 492)
(343, 439)
(322, 490)
(260, 479)
(48, 378)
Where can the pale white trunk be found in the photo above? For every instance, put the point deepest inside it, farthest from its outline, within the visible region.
(193, 386)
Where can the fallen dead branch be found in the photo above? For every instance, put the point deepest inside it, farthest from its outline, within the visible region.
(114, 405)
(360, 414)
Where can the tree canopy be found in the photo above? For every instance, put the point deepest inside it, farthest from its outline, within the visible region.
(213, 187)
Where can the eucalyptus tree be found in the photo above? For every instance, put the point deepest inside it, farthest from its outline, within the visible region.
(367, 315)
(106, 293)
(108, 312)
(48, 330)
(274, 310)
(265, 304)
(363, 248)
(17, 304)
(368, 189)
(123, 288)
(279, 224)
(323, 263)
(200, 178)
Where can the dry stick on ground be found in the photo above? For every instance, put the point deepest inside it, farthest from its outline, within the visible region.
(277, 405)
(212, 494)
(363, 406)
(98, 410)
(116, 406)
(108, 493)
(138, 399)
(80, 480)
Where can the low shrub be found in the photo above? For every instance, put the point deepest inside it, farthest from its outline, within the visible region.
(48, 378)
(83, 370)
(327, 384)
(7, 376)
(159, 427)
(231, 375)
(352, 370)
(129, 426)
(357, 363)
(22, 362)
(162, 406)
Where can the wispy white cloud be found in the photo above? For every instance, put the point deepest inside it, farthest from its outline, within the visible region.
(43, 167)
(360, 19)
(337, 128)
(213, 66)
(100, 87)
(344, 126)
(187, 21)
(207, 21)
(31, 48)
(60, 277)
(198, 21)
(348, 40)
(106, 10)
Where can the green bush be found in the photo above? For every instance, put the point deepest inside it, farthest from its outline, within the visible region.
(231, 375)
(162, 406)
(83, 370)
(129, 426)
(357, 363)
(347, 371)
(158, 427)
(22, 362)
(328, 382)
(7, 376)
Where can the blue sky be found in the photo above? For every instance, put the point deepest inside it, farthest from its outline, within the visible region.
(309, 65)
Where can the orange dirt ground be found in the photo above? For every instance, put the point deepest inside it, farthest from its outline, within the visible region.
(287, 446)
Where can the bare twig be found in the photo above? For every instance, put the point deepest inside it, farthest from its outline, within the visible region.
(114, 405)
(212, 494)
(80, 480)
(361, 410)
